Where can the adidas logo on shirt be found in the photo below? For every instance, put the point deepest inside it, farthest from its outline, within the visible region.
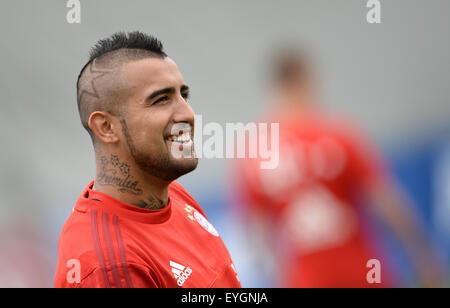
(180, 272)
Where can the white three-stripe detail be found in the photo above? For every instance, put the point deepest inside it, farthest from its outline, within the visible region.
(176, 268)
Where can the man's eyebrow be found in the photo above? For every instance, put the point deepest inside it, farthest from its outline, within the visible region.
(162, 91)
(184, 88)
(170, 90)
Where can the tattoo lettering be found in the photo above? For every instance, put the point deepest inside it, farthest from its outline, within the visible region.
(116, 173)
(152, 203)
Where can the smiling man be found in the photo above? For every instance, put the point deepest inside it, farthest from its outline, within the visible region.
(134, 226)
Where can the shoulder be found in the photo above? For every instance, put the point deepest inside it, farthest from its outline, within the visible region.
(341, 126)
(76, 233)
(177, 191)
(76, 247)
(91, 253)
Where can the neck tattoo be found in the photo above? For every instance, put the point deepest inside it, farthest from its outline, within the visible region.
(152, 203)
(117, 174)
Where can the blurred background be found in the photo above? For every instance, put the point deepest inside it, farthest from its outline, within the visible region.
(391, 78)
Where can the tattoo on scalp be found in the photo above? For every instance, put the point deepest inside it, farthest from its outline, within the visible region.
(117, 174)
(95, 73)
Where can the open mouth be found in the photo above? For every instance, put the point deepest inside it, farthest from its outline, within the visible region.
(183, 137)
(180, 142)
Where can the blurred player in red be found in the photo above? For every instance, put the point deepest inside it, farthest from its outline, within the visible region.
(307, 211)
(134, 226)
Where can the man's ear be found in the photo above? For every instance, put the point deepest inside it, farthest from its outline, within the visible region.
(105, 126)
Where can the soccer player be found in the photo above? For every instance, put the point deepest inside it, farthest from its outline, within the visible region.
(134, 226)
(307, 212)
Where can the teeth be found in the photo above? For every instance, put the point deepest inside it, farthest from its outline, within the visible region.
(185, 137)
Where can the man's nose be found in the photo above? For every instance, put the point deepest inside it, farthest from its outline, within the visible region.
(183, 111)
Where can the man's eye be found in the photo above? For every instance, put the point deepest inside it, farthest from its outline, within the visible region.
(185, 95)
(161, 99)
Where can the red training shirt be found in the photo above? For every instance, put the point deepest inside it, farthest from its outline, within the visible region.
(108, 243)
(312, 201)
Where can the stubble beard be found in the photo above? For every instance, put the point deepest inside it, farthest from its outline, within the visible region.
(160, 165)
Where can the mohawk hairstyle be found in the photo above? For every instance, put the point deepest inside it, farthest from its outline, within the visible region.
(122, 40)
(134, 40)
(96, 82)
